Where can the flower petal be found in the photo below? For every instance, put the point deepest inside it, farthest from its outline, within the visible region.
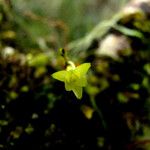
(68, 86)
(82, 81)
(60, 75)
(78, 92)
(83, 68)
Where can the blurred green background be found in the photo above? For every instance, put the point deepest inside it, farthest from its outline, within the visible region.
(35, 110)
(63, 20)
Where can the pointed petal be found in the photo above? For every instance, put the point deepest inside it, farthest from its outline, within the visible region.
(60, 75)
(68, 86)
(78, 92)
(82, 69)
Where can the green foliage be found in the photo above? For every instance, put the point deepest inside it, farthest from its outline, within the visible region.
(35, 110)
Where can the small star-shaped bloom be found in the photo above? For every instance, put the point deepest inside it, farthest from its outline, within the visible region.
(74, 78)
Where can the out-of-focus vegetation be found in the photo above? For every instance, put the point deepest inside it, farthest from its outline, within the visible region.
(62, 20)
(35, 110)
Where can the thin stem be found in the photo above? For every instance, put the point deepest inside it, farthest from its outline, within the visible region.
(98, 111)
(70, 63)
(64, 55)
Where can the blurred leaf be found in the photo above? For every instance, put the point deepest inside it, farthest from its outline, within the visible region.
(37, 60)
(135, 86)
(143, 25)
(24, 88)
(122, 98)
(13, 95)
(146, 82)
(100, 141)
(147, 68)
(87, 111)
(3, 122)
(29, 129)
(39, 72)
(17, 132)
(129, 32)
(35, 116)
(146, 134)
(13, 81)
(92, 90)
(8, 34)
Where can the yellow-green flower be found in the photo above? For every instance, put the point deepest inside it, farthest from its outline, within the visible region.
(74, 78)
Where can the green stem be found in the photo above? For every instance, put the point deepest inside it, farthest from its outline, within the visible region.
(67, 61)
(98, 111)
(71, 64)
